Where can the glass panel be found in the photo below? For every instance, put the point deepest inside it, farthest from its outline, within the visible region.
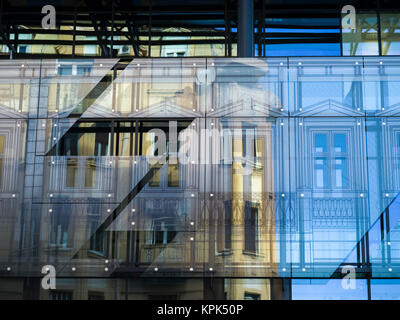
(124, 144)
(90, 173)
(363, 41)
(320, 140)
(2, 139)
(87, 139)
(155, 179)
(173, 175)
(320, 174)
(247, 289)
(300, 37)
(323, 289)
(390, 27)
(340, 173)
(251, 229)
(382, 289)
(340, 142)
(72, 171)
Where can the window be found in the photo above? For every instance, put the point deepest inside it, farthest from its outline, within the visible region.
(164, 230)
(65, 70)
(171, 172)
(90, 173)
(173, 175)
(250, 227)
(2, 141)
(228, 225)
(89, 49)
(84, 139)
(117, 138)
(72, 171)
(155, 179)
(60, 295)
(330, 160)
(60, 219)
(124, 138)
(83, 69)
(22, 49)
(87, 139)
(149, 140)
(252, 146)
(93, 223)
(95, 296)
(251, 296)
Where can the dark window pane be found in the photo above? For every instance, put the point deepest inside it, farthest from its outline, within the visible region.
(320, 141)
(340, 142)
(228, 224)
(250, 227)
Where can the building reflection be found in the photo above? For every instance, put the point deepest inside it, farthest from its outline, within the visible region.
(276, 181)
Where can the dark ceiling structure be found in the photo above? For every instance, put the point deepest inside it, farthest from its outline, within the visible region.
(138, 28)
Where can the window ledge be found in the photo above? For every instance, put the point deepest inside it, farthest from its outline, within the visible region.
(96, 254)
(253, 254)
(53, 247)
(225, 252)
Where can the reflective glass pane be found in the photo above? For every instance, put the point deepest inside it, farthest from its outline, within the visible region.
(362, 41)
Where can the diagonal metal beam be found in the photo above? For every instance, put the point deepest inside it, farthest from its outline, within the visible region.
(124, 203)
(92, 96)
(132, 34)
(371, 239)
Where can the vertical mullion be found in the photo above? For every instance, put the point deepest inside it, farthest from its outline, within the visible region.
(259, 38)
(378, 13)
(131, 139)
(117, 139)
(262, 42)
(112, 30)
(388, 253)
(226, 28)
(74, 35)
(112, 139)
(136, 137)
(341, 33)
(150, 27)
(141, 138)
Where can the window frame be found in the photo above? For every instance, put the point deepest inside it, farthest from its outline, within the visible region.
(330, 156)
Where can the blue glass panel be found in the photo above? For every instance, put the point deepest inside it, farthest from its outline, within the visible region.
(340, 173)
(320, 142)
(320, 173)
(340, 142)
(302, 49)
(385, 289)
(322, 289)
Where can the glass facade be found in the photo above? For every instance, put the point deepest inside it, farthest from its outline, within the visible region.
(217, 178)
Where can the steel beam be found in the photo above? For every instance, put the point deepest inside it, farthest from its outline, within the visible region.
(245, 28)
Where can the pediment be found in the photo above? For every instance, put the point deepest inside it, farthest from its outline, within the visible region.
(244, 109)
(6, 112)
(392, 111)
(99, 111)
(166, 109)
(328, 108)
